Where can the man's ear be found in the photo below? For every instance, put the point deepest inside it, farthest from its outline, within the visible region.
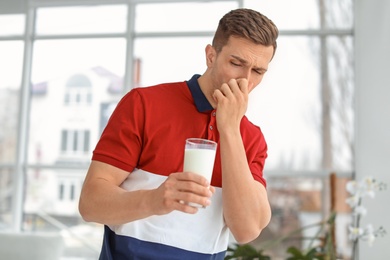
(210, 55)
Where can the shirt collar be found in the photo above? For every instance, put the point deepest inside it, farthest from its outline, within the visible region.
(201, 102)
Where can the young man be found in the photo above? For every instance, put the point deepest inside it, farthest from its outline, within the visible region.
(135, 185)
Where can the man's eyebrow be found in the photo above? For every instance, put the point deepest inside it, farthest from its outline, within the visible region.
(240, 59)
(245, 62)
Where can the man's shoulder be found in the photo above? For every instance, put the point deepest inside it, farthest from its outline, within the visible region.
(247, 124)
(162, 93)
(162, 87)
(250, 130)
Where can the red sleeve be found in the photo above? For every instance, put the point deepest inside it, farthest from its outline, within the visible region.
(257, 164)
(255, 148)
(121, 141)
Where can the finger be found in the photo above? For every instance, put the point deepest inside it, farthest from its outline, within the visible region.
(192, 177)
(233, 85)
(218, 95)
(243, 85)
(189, 187)
(226, 89)
(194, 199)
(185, 207)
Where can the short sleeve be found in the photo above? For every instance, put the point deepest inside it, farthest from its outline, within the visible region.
(121, 141)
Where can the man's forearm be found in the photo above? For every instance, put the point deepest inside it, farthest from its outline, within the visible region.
(245, 201)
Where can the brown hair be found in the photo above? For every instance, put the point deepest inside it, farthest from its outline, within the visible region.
(245, 23)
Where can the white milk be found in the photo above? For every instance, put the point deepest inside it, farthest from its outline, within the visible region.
(200, 161)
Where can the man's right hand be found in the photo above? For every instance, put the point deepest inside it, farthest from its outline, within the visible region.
(179, 190)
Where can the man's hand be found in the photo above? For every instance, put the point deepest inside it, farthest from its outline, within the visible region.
(102, 200)
(232, 103)
(180, 189)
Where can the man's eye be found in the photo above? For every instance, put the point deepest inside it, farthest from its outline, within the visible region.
(235, 63)
(260, 72)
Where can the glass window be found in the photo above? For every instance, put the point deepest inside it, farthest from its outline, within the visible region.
(338, 14)
(78, 90)
(61, 191)
(62, 59)
(341, 74)
(75, 141)
(6, 197)
(297, 205)
(72, 192)
(52, 192)
(11, 25)
(66, 75)
(289, 15)
(81, 20)
(77, 82)
(11, 65)
(286, 105)
(181, 17)
(175, 59)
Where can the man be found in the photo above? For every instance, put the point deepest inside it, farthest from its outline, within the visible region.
(135, 185)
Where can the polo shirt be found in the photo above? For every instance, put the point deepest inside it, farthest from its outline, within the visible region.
(146, 136)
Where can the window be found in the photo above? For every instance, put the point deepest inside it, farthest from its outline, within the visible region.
(80, 68)
(67, 191)
(101, 19)
(75, 141)
(12, 24)
(11, 68)
(78, 91)
(61, 191)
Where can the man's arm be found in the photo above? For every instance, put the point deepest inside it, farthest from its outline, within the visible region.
(102, 200)
(245, 201)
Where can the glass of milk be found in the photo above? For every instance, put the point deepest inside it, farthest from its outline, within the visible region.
(199, 156)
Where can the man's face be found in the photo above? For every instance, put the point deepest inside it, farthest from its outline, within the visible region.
(240, 58)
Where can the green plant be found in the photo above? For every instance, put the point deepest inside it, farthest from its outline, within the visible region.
(325, 250)
(246, 252)
(311, 254)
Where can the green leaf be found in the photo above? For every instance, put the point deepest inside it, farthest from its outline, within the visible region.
(297, 254)
(246, 252)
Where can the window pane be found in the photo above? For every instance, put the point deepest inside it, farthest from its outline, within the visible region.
(341, 74)
(298, 203)
(75, 140)
(52, 202)
(11, 63)
(81, 20)
(175, 59)
(61, 192)
(288, 15)
(6, 197)
(339, 14)
(64, 70)
(305, 14)
(182, 17)
(64, 140)
(11, 25)
(86, 141)
(72, 191)
(286, 105)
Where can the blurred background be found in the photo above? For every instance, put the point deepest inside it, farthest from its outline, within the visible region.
(323, 107)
